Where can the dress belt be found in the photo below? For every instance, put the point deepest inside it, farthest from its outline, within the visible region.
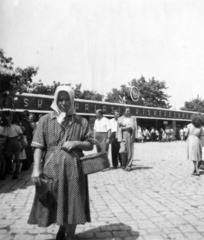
(53, 148)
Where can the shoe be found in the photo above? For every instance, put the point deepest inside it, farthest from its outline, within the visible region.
(128, 169)
(60, 235)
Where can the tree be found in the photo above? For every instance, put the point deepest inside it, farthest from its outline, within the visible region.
(40, 88)
(195, 105)
(12, 81)
(151, 92)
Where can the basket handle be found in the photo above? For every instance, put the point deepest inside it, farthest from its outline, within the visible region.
(98, 145)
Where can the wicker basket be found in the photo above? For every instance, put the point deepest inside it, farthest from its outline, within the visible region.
(96, 162)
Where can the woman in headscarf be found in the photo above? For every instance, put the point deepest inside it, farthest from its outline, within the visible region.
(127, 130)
(62, 135)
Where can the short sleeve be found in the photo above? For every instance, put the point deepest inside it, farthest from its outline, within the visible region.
(19, 130)
(95, 125)
(39, 140)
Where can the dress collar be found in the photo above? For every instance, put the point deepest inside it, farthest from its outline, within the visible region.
(55, 115)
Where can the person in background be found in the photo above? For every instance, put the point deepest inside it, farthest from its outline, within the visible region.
(13, 146)
(22, 154)
(3, 138)
(140, 134)
(29, 135)
(102, 130)
(181, 134)
(171, 135)
(127, 132)
(153, 135)
(200, 163)
(167, 131)
(193, 134)
(156, 135)
(185, 130)
(115, 145)
(164, 136)
(161, 132)
(32, 119)
(146, 134)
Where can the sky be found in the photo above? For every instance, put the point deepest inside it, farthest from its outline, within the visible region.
(106, 43)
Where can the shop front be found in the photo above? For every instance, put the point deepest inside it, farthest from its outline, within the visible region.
(146, 116)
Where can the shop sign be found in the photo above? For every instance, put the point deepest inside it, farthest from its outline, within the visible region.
(134, 94)
(43, 104)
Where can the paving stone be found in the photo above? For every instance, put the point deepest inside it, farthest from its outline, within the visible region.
(121, 233)
(86, 235)
(44, 237)
(6, 237)
(23, 237)
(153, 237)
(37, 230)
(159, 199)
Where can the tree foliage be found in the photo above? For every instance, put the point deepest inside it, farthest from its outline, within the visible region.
(40, 88)
(195, 105)
(151, 92)
(12, 80)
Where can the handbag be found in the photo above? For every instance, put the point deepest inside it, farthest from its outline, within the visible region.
(95, 162)
(23, 143)
(46, 185)
(42, 188)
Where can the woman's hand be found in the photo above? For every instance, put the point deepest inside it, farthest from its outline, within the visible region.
(69, 145)
(108, 141)
(36, 177)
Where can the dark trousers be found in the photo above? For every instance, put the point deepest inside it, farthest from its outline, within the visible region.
(115, 145)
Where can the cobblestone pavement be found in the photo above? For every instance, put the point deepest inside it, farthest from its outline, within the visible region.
(159, 199)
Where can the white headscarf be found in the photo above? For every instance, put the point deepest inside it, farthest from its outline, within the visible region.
(54, 106)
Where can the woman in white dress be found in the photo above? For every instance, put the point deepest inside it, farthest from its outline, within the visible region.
(193, 143)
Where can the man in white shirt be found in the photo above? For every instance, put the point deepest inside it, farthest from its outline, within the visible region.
(115, 145)
(181, 133)
(102, 130)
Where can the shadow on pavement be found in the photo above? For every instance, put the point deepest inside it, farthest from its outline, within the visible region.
(9, 185)
(117, 231)
(140, 168)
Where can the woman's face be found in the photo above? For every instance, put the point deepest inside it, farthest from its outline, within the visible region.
(31, 118)
(127, 112)
(63, 101)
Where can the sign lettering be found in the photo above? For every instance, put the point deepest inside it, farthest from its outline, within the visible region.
(43, 104)
(86, 108)
(40, 103)
(26, 104)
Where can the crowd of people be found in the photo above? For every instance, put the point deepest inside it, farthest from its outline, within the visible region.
(55, 144)
(16, 133)
(154, 135)
(120, 132)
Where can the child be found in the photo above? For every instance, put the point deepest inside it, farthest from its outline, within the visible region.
(13, 146)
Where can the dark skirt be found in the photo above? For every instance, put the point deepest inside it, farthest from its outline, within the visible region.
(12, 146)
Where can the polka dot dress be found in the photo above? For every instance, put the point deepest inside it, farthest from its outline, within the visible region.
(68, 198)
